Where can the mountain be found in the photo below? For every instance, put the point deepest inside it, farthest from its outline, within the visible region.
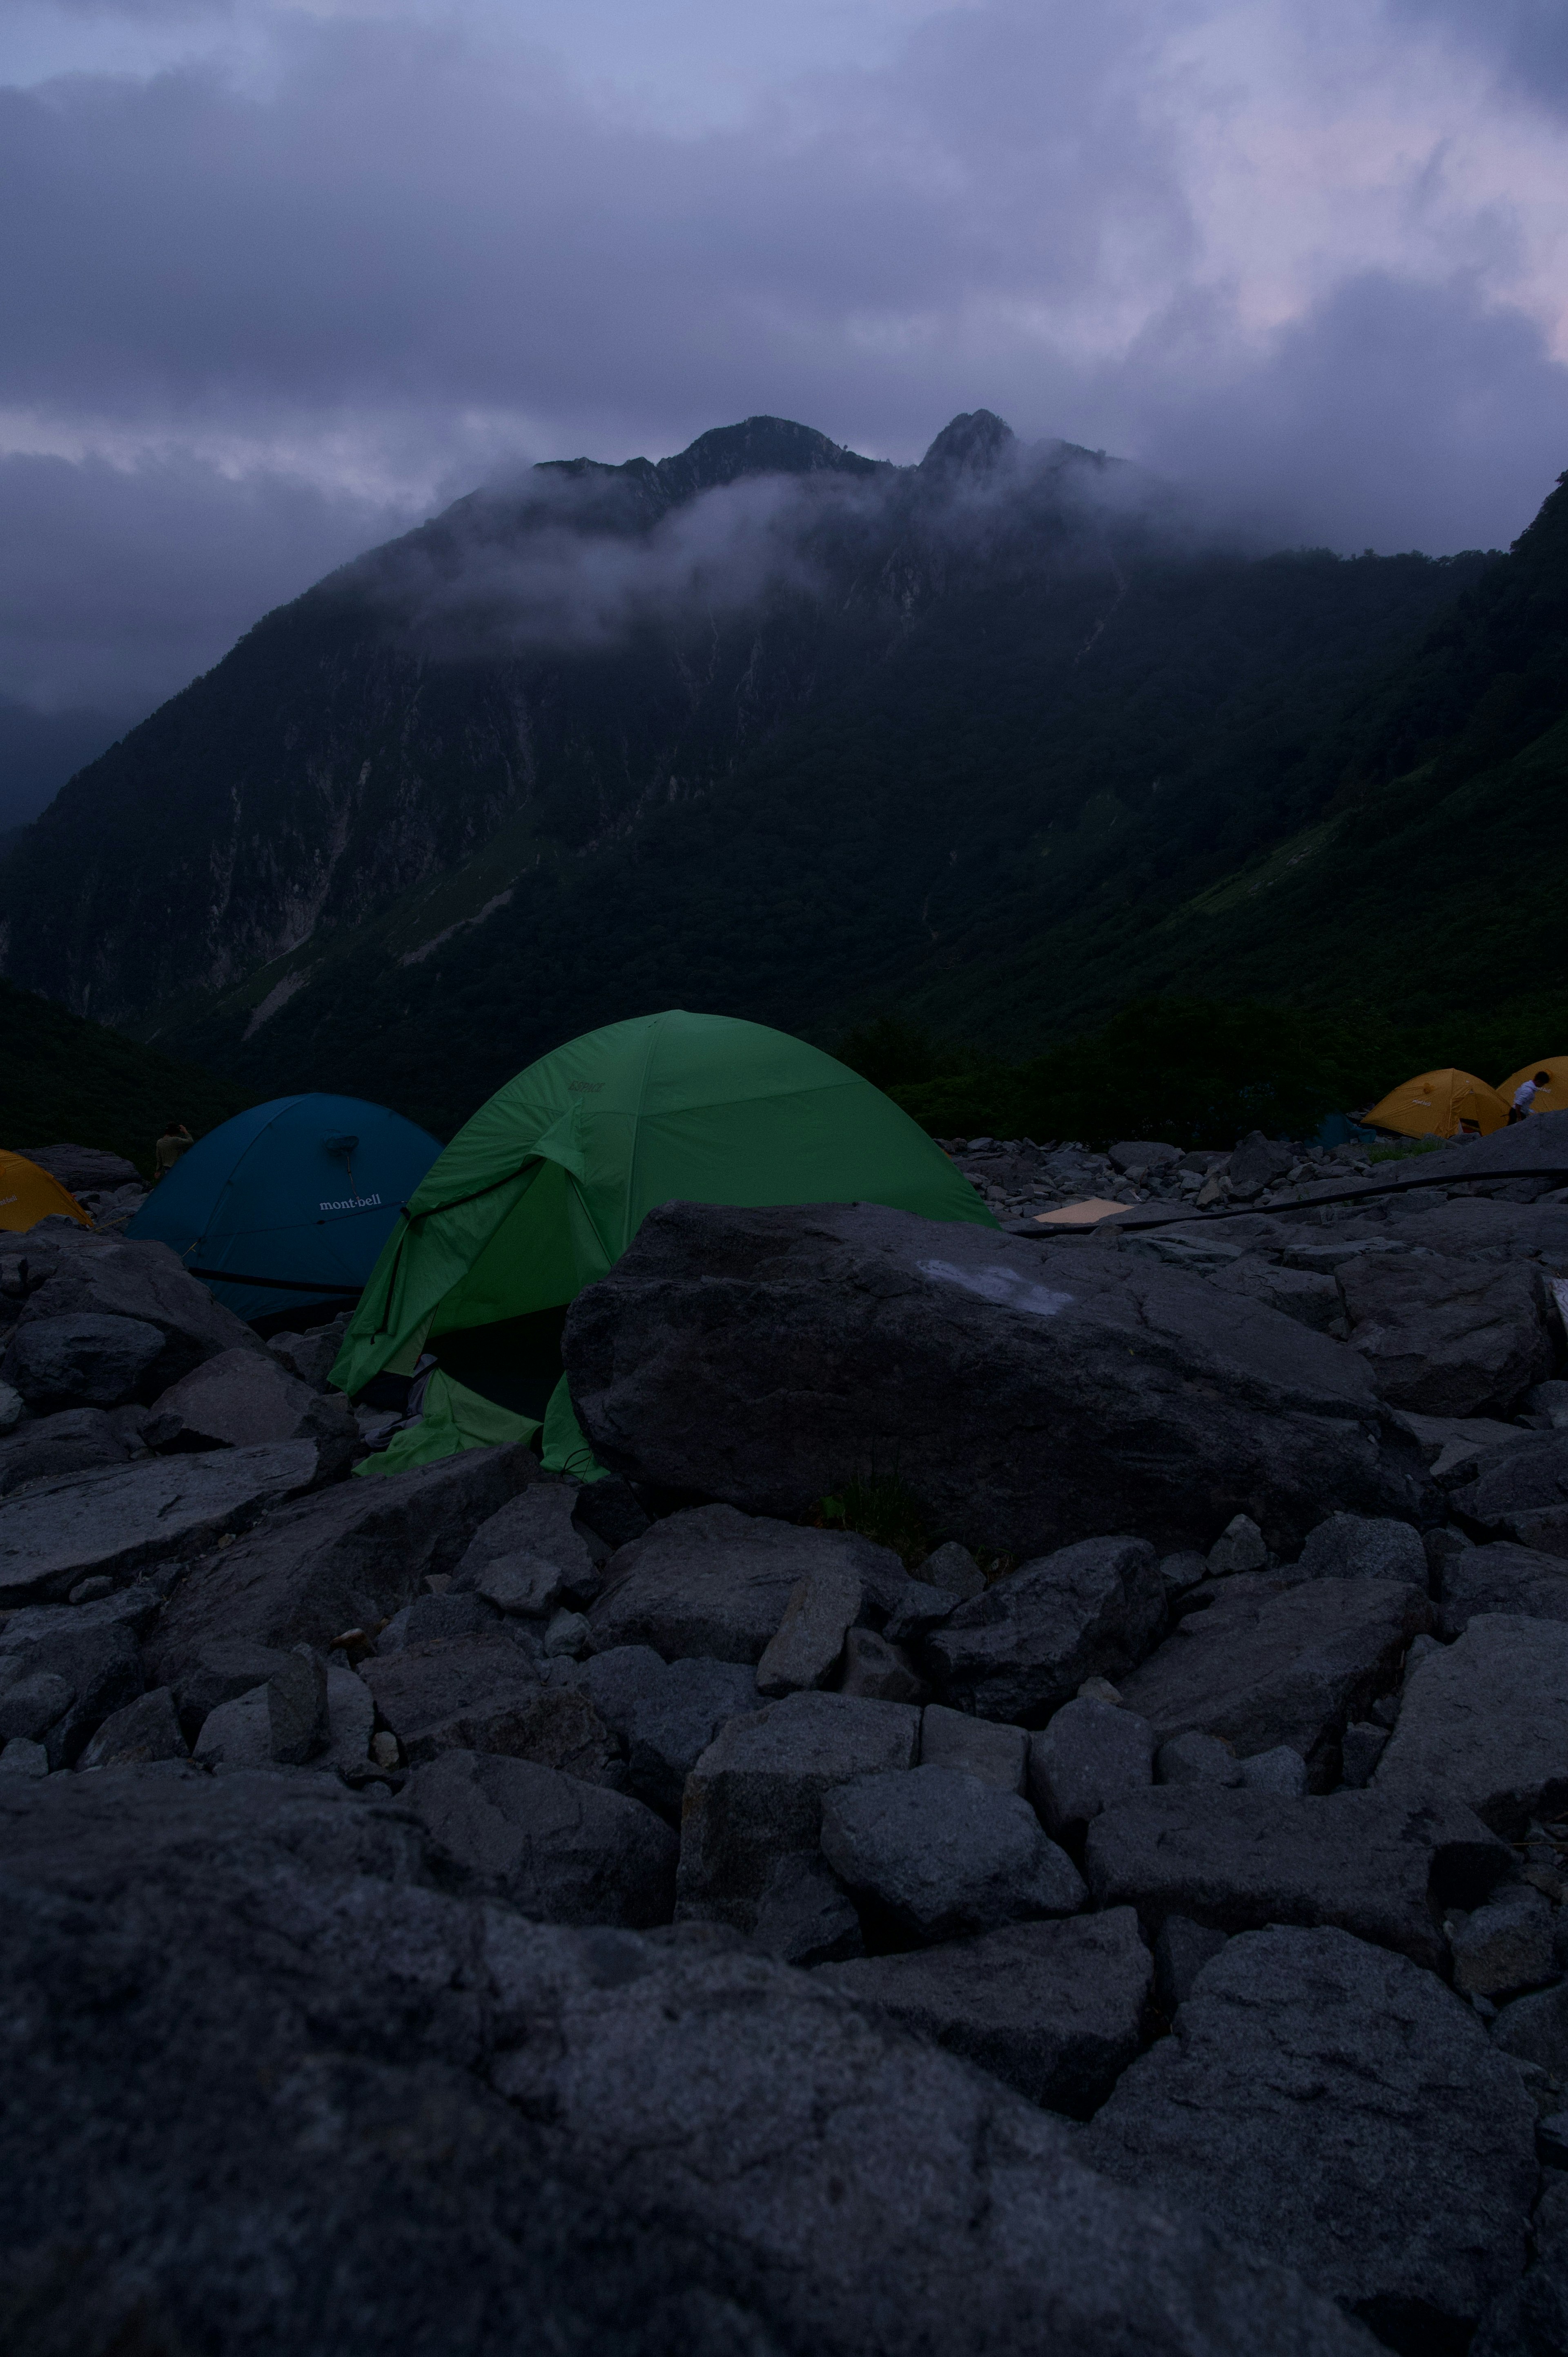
(769, 727)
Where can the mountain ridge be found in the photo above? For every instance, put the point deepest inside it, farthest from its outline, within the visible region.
(783, 731)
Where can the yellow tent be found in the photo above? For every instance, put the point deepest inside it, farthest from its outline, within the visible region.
(1439, 1105)
(1549, 1100)
(28, 1195)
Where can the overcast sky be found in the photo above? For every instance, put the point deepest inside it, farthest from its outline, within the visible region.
(278, 276)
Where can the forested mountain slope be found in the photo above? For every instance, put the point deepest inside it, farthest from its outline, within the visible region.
(768, 727)
(1429, 884)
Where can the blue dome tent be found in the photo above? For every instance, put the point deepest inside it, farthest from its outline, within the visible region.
(288, 1205)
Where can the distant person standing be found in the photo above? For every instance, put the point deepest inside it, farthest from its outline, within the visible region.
(176, 1140)
(1525, 1094)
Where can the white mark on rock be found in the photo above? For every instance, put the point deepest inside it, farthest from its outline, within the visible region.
(1005, 1286)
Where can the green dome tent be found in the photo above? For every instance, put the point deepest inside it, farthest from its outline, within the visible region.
(548, 1184)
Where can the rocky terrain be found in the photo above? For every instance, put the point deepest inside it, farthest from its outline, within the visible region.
(470, 1907)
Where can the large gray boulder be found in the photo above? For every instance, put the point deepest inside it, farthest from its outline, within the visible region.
(145, 1283)
(558, 1849)
(1499, 1578)
(349, 1558)
(1268, 1663)
(112, 1522)
(1340, 2111)
(1478, 1228)
(1029, 1400)
(83, 1360)
(240, 1398)
(84, 1170)
(756, 1794)
(51, 1448)
(1449, 1336)
(1486, 1720)
(483, 1694)
(1380, 1865)
(1312, 1300)
(1024, 1647)
(1056, 2010)
(1520, 1493)
(943, 1854)
(256, 2038)
(716, 1583)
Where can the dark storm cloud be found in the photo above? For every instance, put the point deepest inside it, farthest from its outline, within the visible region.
(1528, 37)
(401, 213)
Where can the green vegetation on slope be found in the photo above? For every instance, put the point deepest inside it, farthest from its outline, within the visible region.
(64, 1079)
(922, 828)
(1193, 1072)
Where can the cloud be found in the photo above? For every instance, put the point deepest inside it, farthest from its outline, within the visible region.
(120, 584)
(1392, 416)
(329, 263)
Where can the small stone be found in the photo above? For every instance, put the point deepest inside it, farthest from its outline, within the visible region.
(954, 1570)
(1421, 1650)
(236, 1734)
(1090, 1755)
(944, 1854)
(1196, 1758)
(1505, 1946)
(566, 1638)
(809, 1643)
(1181, 1951)
(1360, 1546)
(384, 1749)
(988, 1748)
(878, 1670)
(30, 1706)
(88, 1591)
(10, 1407)
(1279, 1771)
(1363, 1745)
(21, 1757)
(1385, 1711)
(1100, 1690)
(297, 1709)
(1241, 1546)
(1182, 1571)
(806, 1916)
(145, 1729)
(525, 1585)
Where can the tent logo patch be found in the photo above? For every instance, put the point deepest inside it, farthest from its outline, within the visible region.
(352, 1203)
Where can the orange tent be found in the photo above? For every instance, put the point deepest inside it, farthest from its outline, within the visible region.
(1549, 1100)
(28, 1195)
(1439, 1105)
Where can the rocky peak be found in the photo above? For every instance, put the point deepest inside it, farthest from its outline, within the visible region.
(975, 443)
(758, 446)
